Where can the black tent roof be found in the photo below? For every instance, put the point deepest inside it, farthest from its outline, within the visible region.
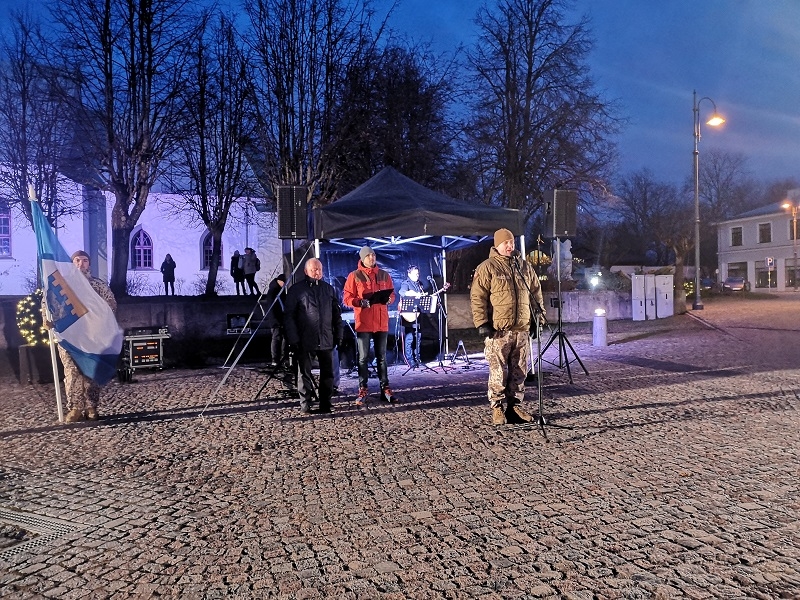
(390, 205)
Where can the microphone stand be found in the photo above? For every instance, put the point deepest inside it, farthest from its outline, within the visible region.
(440, 311)
(536, 364)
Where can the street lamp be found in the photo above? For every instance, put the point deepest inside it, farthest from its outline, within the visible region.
(793, 208)
(713, 121)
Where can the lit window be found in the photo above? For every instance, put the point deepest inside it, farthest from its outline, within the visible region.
(141, 251)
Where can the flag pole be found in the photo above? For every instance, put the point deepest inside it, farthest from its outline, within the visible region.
(53, 359)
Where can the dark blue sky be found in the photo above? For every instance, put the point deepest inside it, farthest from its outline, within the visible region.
(649, 55)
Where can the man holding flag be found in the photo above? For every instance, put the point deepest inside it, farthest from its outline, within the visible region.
(80, 311)
(83, 393)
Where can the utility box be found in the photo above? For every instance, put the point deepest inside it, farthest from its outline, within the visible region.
(665, 296)
(650, 297)
(637, 297)
(644, 297)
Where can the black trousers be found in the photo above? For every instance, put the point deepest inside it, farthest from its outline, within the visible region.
(306, 386)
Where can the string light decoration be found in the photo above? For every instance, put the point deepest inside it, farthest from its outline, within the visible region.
(29, 320)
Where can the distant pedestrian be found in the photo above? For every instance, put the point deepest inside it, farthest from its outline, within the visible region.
(168, 272)
(251, 265)
(237, 271)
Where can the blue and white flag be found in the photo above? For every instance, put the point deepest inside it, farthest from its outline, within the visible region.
(83, 322)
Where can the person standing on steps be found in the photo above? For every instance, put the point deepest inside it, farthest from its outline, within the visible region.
(168, 273)
(503, 289)
(237, 271)
(251, 265)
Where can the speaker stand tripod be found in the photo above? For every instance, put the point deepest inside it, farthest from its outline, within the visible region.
(559, 335)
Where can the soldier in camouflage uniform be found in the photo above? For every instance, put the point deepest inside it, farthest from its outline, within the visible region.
(83, 394)
(505, 289)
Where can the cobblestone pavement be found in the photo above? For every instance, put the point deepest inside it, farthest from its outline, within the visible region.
(670, 471)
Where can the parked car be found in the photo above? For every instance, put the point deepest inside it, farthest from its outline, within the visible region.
(735, 284)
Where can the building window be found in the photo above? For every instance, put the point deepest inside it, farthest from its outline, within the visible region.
(764, 233)
(208, 246)
(737, 269)
(736, 236)
(5, 232)
(141, 251)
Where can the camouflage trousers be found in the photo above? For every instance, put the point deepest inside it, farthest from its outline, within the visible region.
(82, 392)
(507, 354)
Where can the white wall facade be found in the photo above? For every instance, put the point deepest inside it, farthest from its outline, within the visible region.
(171, 231)
(744, 253)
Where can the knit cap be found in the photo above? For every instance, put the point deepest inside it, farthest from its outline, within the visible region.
(502, 235)
(365, 252)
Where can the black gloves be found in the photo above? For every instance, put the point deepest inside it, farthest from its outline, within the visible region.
(486, 330)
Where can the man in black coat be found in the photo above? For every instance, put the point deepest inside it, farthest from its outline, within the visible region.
(313, 324)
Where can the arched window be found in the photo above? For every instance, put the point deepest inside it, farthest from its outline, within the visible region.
(141, 251)
(208, 246)
(5, 232)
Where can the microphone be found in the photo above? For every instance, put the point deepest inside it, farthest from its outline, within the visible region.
(516, 253)
(430, 278)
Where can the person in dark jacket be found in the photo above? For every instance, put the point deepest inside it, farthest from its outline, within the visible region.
(237, 271)
(168, 272)
(251, 265)
(313, 322)
(274, 302)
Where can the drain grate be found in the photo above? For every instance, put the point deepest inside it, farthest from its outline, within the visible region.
(46, 529)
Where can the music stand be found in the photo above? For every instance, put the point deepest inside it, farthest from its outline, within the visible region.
(417, 306)
(563, 360)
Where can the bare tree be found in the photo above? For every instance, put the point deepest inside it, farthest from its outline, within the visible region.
(129, 57)
(538, 122)
(33, 132)
(304, 48)
(655, 220)
(216, 123)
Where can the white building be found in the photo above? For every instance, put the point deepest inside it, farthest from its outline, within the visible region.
(759, 245)
(161, 230)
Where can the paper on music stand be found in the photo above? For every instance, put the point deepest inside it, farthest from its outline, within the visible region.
(408, 304)
(427, 304)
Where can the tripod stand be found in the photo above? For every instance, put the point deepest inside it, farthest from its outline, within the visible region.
(563, 342)
(285, 369)
(410, 309)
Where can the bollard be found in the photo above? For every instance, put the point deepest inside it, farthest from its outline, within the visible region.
(600, 328)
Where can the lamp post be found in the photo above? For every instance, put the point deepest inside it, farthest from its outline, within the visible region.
(713, 121)
(793, 207)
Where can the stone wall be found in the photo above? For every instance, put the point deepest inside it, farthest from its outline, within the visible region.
(578, 306)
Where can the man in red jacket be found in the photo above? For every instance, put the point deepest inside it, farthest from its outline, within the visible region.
(371, 319)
